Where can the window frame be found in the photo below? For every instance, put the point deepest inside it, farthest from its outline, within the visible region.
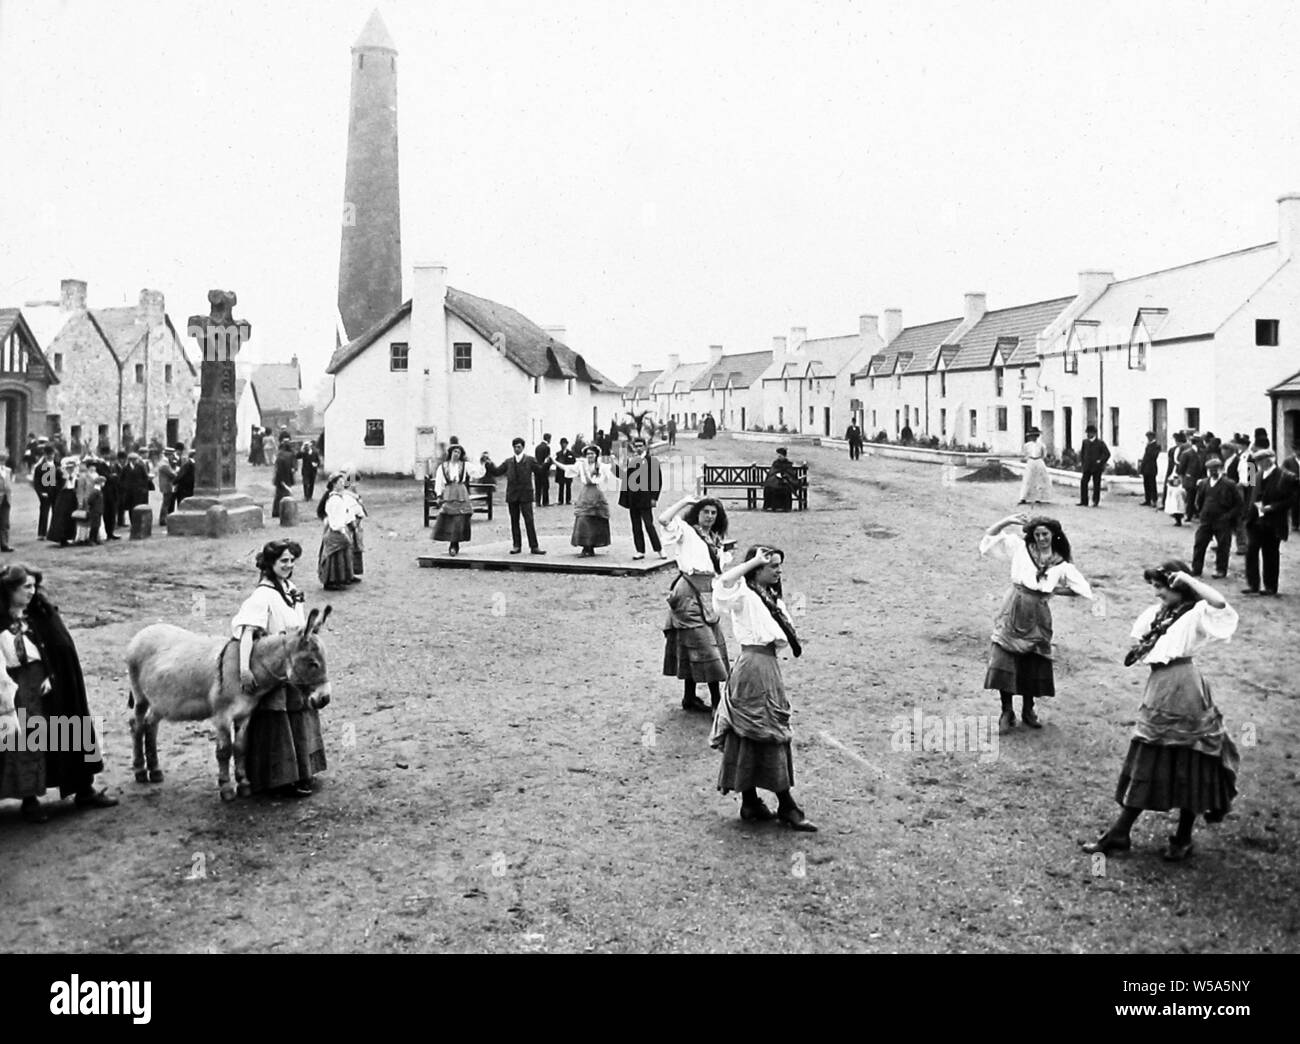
(399, 350)
(456, 356)
(374, 425)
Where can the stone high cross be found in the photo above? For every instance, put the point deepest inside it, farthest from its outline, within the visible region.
(220, 338)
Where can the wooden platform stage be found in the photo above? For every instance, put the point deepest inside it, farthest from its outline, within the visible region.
(615, 560)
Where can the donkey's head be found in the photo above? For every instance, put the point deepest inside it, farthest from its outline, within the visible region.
(306, 654)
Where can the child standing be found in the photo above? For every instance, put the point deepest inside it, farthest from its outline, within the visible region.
(1176, 500)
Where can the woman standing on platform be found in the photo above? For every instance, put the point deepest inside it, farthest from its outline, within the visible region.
(1020, 656)
(752, 727)
(590, 508)
(335, 564)
(1180, 755)
(285, 748)
(451, 486)
(1036, 486)
(694, 648)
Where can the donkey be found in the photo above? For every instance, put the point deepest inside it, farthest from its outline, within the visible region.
(177, 675)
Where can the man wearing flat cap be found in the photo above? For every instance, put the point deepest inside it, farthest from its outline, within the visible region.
(1269, 523)
(1218, 503)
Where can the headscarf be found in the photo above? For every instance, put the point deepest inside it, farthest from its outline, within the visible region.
(769, 597)
(1060, 544)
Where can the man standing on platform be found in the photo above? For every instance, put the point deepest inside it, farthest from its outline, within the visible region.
(1269, 523)
(854, 436)
(642, 481)
(564, 484)
(1093, 455)
(1218, 503)
(542, 480)
(45, 479)
(519, 471)
(1150, 469)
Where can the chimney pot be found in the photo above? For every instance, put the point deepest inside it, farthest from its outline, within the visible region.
(893, 323)
(72, 295)
(1288, 232)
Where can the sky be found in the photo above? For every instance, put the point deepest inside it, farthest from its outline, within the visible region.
(655, 176)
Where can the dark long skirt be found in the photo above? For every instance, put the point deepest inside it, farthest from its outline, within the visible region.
(62, 529)
(1159, 778)
(748, 763)
(1024, 674)
(335, 564)
(284, 743)
(451, 527)
(694, 648)
(590, 531)
(24, 773)
(752, 726)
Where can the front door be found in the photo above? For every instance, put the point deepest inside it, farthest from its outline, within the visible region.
(13, 425)
(1160, 419)
(1026, 418)
(742, 419)
(826, 421)
(1048, 438)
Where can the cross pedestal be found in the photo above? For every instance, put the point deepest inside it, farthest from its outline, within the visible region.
(216, 508)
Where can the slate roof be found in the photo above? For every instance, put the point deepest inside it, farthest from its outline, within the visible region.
(278, 387)
(524, 343)
(124, 331)
(742, 370)
(1290, 386)
(1020, 325)
(917, 341)
(687, 374)
(641, 384)
(1200, 296)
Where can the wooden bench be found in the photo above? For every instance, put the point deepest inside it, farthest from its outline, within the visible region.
(737, 481)
(480, 497)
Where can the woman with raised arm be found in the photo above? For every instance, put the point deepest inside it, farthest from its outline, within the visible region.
(1180, 756)
(285, 748)
(1020, 656)
(752, 727)
(451, 481)
(694, 648)
(590, 507)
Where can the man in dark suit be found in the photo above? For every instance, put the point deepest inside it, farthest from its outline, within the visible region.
(564, 484)
(1149, 469)
(1238, 468)
(1269, 523)
(542, 480)
(45, 479)
(519, 471)
(641, 481)
(1191, 469)
(285, 466)
(1292, 465)
(1218, 503)
(310, 457)
(854, 437)
(1093, 455)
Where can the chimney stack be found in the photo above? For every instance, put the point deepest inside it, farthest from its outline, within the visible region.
(798, 334)
(555, 333)
(975, 307)
(674, 361)
(893, 323)
(715, 354)
(869, 328)
(1288, 231)
(778, 351)
(1092, 281)
(152, 307)
(72, 295)
(636, 371)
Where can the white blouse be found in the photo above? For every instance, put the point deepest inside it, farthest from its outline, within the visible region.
(1034, 451)
(582, 472)
(1192, 631)
(751, 623)
(1011, 544)
(341, 510)
(267, 611)
(692, 554)
(459, 473)
(9, 644)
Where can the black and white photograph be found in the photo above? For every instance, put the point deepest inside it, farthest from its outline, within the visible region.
(675, 478)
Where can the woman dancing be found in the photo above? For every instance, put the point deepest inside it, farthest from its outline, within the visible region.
(1181, 755)
(1020, 657)
(1036, 486)
(752, 726)
(285, 748)
(451, 486)
(694, 649)
(590, 508)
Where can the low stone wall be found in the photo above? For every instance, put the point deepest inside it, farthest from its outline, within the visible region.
(1123, 485)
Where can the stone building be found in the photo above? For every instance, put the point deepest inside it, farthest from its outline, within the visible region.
(25, 380)
(124, 373)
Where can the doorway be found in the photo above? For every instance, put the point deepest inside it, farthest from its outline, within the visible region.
(13, 424)
(742, 418)
(1047, 421)
(826, 421)
(1160, 420)
(173, 430)
(1026, 419)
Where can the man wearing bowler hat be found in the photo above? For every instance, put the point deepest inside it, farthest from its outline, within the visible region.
(1269, 523)
(1093, 455)
(519, 471)
(1150, 469)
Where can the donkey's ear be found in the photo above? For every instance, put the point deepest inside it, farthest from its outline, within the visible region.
(311, 622)
(321, 622)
